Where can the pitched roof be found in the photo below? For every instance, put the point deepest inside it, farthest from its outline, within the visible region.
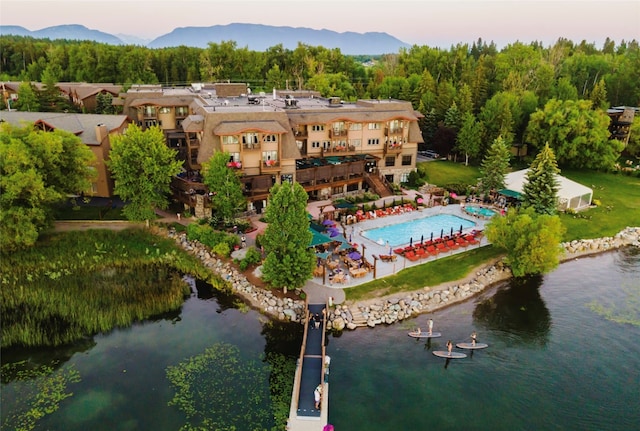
(82, 125)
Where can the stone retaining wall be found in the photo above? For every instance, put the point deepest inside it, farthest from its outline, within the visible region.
(393, 309)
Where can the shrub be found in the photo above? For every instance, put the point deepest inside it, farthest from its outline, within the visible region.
(252, 257)
(222, 249)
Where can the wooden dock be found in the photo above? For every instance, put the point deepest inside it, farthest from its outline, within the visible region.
(312, 369)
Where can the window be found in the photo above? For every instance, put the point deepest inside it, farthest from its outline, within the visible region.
(355, 126)
(389, 161)
(404, 177)
(182, 111)
(150, 123)
(355, 142)
(395, 126)
(270, 138)
(165, 110)
(326, 145)
(406, 160)
(374, 126)
(287, 178)
(315, 144)
(250, 138)
(150, 111)
(373, 141)
(234, 157)
(317, 127)
(229, 140)
(270, 157)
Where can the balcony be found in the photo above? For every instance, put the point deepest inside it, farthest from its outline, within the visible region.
(340, 149)
(255, 146)
(234, 165)
(270, 165)
(301, 133)
(336, 133)
(393, 131)
(393, 148)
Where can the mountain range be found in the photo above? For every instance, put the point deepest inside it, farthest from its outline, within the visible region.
(255, 37)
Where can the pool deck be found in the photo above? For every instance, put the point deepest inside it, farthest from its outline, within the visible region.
(371, 247)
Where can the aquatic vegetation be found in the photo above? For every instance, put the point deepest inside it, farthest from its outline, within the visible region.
(34, 393)
(78, 284)
(626, 313)
(220, 390)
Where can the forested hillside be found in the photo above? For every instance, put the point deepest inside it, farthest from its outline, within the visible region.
(499, 89)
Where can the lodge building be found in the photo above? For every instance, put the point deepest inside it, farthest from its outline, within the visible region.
(330, 147)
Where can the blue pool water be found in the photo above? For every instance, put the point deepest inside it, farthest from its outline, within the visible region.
(401, 233)
(481, 211)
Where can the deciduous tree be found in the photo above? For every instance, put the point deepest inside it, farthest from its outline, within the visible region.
(37, 170)
(142, 166)
(290, 261)
(469, 137)
(531, 241)
(225, 185)
(578, 135)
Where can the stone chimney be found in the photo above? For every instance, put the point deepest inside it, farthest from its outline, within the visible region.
(101, 133)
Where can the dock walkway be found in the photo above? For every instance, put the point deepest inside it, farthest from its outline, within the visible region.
(311, 370)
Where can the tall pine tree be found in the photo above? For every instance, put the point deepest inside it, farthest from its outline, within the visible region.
(495, 166)
(541, 188)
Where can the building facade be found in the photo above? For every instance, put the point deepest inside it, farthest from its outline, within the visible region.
(330, 147)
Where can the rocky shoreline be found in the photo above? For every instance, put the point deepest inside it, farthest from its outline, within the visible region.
(394, 308)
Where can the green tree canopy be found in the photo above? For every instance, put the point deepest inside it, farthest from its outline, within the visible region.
(495, 165)
(541, 189)
(469, 137)
(290, 261)
(37, 170)
(578, 135)
(225, 185)
(531, 241)
(142, 166)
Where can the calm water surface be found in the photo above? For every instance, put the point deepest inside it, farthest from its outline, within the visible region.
(553, 363)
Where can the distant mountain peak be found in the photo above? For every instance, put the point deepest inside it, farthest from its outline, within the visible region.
(256, 37)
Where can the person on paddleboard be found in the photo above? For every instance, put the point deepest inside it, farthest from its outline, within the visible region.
(430, 324)
(474, 338)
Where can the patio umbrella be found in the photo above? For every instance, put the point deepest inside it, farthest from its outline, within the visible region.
(451, 234)
(328, 222)
(333, 233)
(411, 242)
(460, 229)
(354, 255)
(419, 200)
(431, 236)
(441, 233)
(421, 239)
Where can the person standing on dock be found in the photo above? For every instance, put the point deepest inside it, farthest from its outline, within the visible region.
(317, 396)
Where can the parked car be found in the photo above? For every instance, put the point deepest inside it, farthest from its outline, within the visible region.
(430, 153)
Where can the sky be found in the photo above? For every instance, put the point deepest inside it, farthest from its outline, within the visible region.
(423, 22)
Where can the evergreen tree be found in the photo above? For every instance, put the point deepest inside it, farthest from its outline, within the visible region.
(531, 241)
(27, 98)
(286, 240)
(104, 103)
(142, 166)
(452, 118)
(495, 165)
(541, 189)
(225, 185)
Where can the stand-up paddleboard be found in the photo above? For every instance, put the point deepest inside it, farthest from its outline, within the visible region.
(452, 355)
(471, 346)
(424, 334)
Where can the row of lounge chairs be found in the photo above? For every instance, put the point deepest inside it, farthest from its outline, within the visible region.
(437, 246)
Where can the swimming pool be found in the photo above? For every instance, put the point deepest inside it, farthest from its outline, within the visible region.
(402, 233)
(479, 211)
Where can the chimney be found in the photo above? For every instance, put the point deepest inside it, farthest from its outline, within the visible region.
(101, 133)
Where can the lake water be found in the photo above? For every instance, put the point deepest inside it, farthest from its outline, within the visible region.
(560, 357)
(402, 233)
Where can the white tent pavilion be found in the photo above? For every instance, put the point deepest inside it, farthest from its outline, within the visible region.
(570, 194)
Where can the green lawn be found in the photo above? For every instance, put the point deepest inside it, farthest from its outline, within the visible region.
(619, 196)
(441, 172)
(432, 273)
(89, 212)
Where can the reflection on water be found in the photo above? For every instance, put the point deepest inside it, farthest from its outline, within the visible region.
(518, 311)
(552, 362)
